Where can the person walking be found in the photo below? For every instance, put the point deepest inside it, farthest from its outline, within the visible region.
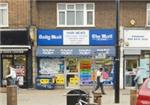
(139, 77)
(99, 80)
(12, 75)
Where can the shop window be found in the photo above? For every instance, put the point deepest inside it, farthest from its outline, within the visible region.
(131, 64)
(3, 15)
(51, 66)
(75, 14)
(72, 65)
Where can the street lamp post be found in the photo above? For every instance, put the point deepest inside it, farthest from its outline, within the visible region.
(117, 58)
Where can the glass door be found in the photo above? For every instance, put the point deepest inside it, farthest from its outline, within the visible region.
(7, 62)
(130, 71)
(72, 73)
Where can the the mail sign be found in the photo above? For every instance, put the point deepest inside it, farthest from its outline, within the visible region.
(105, 37)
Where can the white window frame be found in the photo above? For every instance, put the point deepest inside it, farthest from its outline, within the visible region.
(5, 25)
(147, 9)
(84, 15)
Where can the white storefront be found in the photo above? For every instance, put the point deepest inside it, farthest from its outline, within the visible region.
(135, 52)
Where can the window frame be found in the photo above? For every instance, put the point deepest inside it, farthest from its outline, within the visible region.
(5, 25)
(84, 15)
(147, 9)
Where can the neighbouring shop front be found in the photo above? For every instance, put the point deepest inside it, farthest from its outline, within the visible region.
(15, 49)
(136, 54)
(73, 55)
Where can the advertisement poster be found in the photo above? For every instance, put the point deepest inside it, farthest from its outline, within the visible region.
(85, 72)
(144, 64)
(76, 37)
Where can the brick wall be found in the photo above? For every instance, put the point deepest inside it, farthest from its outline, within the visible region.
(46, 14)
(19, 13)
(133, 10)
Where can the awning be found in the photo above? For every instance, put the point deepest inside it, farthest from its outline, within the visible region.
(61, 51)
(14, 48)
(135, 50)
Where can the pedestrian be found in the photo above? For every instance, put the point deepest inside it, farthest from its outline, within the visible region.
(12, 75)
(139, 77)
(99, 80)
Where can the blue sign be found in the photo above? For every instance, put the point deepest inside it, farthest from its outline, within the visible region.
(49, 37)
(69, 51)
(105, 37)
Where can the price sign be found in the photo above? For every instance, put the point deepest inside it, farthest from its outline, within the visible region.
(44, 81)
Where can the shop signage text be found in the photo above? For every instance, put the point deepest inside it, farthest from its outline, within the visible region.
(76, 37)
(74, 51)
(137, 38)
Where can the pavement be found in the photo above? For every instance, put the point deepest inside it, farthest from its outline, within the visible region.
(58, 97)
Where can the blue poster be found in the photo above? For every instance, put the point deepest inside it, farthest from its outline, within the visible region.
(105, 37)
(49, 37)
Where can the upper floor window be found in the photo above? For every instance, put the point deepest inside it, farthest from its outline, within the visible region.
(3, 15)
(75, 14)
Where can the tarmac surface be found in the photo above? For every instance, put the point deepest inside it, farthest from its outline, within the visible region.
(58, 97)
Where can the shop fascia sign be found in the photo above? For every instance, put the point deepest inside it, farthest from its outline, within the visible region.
(137, 38)
(73, 51)
(76, 37)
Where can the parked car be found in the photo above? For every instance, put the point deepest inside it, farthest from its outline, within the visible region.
(144, 93)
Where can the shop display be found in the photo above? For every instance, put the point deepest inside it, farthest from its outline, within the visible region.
(73, 80)
(72, 65)
(85, 72)
(108, 73)
(60, 80)
(20, 72)
(51, 66)
(51, 72)
(43, 82)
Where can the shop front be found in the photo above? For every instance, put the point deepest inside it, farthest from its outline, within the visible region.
(136, 54)
(72, 57)
(16, 50)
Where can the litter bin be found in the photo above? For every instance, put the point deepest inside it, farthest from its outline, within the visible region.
(74, 95)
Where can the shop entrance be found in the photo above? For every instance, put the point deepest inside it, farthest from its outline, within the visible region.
(130, 71)
(19, 61)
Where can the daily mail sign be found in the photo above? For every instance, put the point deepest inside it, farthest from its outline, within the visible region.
(137, 38)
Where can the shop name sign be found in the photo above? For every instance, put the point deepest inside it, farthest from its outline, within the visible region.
(102, 37)
(137, 38)
(76, 37)
(50, 37)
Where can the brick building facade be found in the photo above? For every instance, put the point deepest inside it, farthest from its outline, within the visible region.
(42, 14)
(15, 42)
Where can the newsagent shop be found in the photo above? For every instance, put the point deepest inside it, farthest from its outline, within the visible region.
(73, 55)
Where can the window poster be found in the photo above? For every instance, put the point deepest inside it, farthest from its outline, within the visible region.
(72, 65)
(51, 66)
(85, 72)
